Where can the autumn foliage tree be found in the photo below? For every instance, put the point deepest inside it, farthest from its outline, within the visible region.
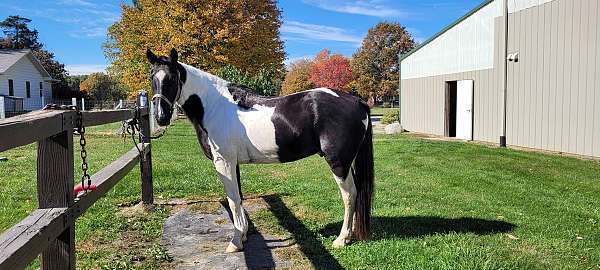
(209, 34)
(297, 78)
(375, 65)
(102, 87)
(331, 71)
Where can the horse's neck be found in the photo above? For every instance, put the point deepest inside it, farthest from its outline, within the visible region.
(211, 90)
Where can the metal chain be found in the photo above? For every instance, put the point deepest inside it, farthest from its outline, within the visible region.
(79, 130)
(130, 127)
(83, 153)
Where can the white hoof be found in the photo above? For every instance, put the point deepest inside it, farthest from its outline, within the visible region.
(340, 242)
(233, 248)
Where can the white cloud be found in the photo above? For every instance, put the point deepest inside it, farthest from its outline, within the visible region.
(90, 32)
(375, 8)
(77, 3)
(85, 69)
(290, 60)
(85, 18)
(294, 30)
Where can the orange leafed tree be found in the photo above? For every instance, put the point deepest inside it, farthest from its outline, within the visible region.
(209, 34)
(297, 78)
(331, 71)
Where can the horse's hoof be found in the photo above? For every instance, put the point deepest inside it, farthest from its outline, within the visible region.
(340, 243)
(231, 248)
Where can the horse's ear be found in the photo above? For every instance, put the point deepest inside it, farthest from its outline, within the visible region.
(151, 57)
(173, 56)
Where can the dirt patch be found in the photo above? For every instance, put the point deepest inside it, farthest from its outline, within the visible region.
(205, 207)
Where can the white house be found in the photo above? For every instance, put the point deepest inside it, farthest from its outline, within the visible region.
(23, 77)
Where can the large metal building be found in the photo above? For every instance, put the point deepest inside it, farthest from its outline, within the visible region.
(539, 88)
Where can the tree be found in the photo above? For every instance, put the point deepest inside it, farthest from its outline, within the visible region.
(55, 69)
(209, 34)
(102, 87)
(375, 64)
(15, 27)
(331, 71)
(266, 82)
(297, 78)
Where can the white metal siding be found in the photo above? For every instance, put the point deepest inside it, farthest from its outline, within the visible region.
(22, 71)
(554, 89)
(468, 46)
(518, 5)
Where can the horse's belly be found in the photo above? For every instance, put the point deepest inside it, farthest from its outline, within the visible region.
(259, 134)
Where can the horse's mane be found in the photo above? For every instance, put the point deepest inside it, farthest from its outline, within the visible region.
(246, 97)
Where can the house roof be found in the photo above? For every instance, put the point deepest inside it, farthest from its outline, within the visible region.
(8, 57)
(464, 17)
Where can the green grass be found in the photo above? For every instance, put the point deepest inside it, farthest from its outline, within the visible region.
(438, 205)
(381, 110)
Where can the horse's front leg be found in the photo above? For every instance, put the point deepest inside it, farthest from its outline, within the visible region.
(227, 173)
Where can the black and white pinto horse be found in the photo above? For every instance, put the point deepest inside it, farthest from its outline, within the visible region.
(235, 126)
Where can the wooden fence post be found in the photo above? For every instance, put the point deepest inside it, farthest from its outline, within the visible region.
(146, 161)
(55, 190)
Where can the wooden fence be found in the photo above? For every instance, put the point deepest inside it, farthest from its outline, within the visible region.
(50, 230)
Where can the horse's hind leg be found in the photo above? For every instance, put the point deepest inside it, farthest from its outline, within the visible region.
(348, 192)
(227, 173)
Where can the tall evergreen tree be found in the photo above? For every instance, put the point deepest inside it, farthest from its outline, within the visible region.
(16, 29)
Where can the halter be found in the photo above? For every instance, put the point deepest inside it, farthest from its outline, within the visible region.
(165, 99)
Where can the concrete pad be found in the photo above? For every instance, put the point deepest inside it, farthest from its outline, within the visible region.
(198, 240)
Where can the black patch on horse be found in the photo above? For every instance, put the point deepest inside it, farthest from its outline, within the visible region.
(195, 112)
(310, 123)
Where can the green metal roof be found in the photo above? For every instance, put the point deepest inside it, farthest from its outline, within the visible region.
(480, 6)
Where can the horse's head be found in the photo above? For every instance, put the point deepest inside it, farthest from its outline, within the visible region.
(167, 76)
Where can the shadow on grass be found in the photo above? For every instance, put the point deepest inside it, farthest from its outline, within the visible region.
(307, 240)
(417, 226)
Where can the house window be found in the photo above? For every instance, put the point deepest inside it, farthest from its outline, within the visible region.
(28, 89)
(41, 88)
(11, 89)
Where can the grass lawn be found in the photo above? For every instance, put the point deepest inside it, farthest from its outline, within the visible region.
(381, 110)
(438, 205)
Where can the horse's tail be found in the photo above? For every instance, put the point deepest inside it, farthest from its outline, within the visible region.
(363, 179)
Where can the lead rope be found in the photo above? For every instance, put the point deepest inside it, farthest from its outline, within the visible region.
(132, 127)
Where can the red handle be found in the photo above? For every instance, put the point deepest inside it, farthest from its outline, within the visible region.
(80, 188)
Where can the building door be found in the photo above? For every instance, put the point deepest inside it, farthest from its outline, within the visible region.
(464, 109)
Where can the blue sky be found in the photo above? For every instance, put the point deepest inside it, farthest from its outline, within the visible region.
(75, 29)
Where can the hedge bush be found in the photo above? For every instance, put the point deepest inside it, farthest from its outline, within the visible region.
(390, 116)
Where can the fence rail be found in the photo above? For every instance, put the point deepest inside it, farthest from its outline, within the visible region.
(14, 106)
(49, 230)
